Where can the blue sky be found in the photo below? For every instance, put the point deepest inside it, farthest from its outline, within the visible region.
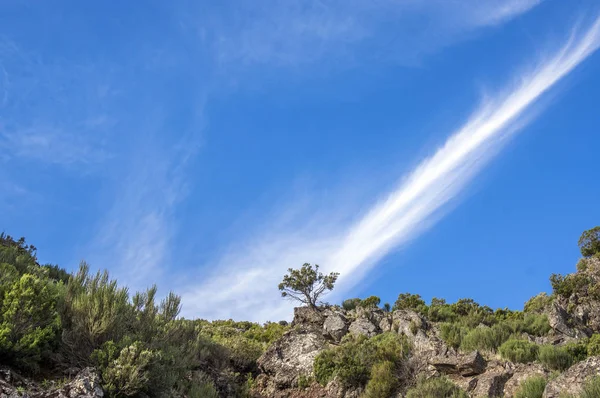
(445, 148)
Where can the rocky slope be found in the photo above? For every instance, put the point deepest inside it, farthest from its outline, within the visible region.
(290, 360)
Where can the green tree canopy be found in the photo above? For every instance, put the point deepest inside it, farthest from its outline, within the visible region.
(307, 284)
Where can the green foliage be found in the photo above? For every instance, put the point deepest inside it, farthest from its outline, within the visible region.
(383, 382)
(95, 311)
(532, 387)
(555, 358)
(307, 285)
(578, 350)
(593, 346)
(565, 286)
(353, 361)
(519, 351)
(407, 301)
(538, 304)
(351, 304)
(128, 372)
(453, 333)
(485, 338)
(438, 387)
(591, 388)
(370, 302)
(589, 242)
(29, 319)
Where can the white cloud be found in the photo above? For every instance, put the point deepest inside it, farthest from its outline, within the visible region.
(245, 280)
(299, 32)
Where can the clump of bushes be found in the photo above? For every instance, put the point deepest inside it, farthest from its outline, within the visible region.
(532, 387)
(519, 351)
(383, 382)
(538, 304)
(591, 389)
(353, 362)
(555, 357)
(438, 387)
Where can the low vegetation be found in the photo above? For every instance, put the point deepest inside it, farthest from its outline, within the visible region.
(51, 320)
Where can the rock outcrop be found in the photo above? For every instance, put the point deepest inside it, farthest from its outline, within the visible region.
(85, 385)
(573, 380)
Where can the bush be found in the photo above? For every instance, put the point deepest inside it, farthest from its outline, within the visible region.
(438, 387)
(532, 387)
(589, 242)
(453, 334)
(555, 358)
(519, 351)
(407, 301)
(95, 311)
(538, 304)
(370, 302)
(565, 286)
(353, 361)
(536, 324)
(29, 320)
(591, 388)
(126, 372)
(383, 381)
(351, 304)
(485, 338)
(593, 346)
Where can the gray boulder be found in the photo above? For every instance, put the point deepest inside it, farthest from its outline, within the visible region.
(363, 326)
(335, 326)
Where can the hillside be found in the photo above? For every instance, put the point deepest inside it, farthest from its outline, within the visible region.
(84, 335)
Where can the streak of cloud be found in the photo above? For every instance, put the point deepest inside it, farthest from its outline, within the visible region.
(299, 32)
(245, 284)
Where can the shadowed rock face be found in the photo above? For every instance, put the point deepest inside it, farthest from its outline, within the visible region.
(85, 385)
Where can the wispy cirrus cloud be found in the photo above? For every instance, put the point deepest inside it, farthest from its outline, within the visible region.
(245, 283)
(297, 33)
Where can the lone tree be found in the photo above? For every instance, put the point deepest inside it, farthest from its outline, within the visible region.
(307, 284)
(589, 242)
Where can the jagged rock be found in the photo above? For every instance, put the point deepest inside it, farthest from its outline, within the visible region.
(490, 384)
(521, 372)
(85, 385)
(564, 323)
(386, 324)
(291, 356)
(335, 326)
(465, 365)
(572, 381)
(363, 326)
(307, 316)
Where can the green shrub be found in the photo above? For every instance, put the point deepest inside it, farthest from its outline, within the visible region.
(29, 320)
(353, 361)
(437, 387)
(453, 334)
(519, 351)
(370, 302)
(591, 388)
(532, 387)
(589, 242)
(201, 386)
(538, 304)
(485, 338)
(95, 311)
(593, 346)
(536, 324)
(555, 358)
(577, 349)
(383, 381)
(565, 286)
(351, 304)
(407, 301)
(128, 372)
